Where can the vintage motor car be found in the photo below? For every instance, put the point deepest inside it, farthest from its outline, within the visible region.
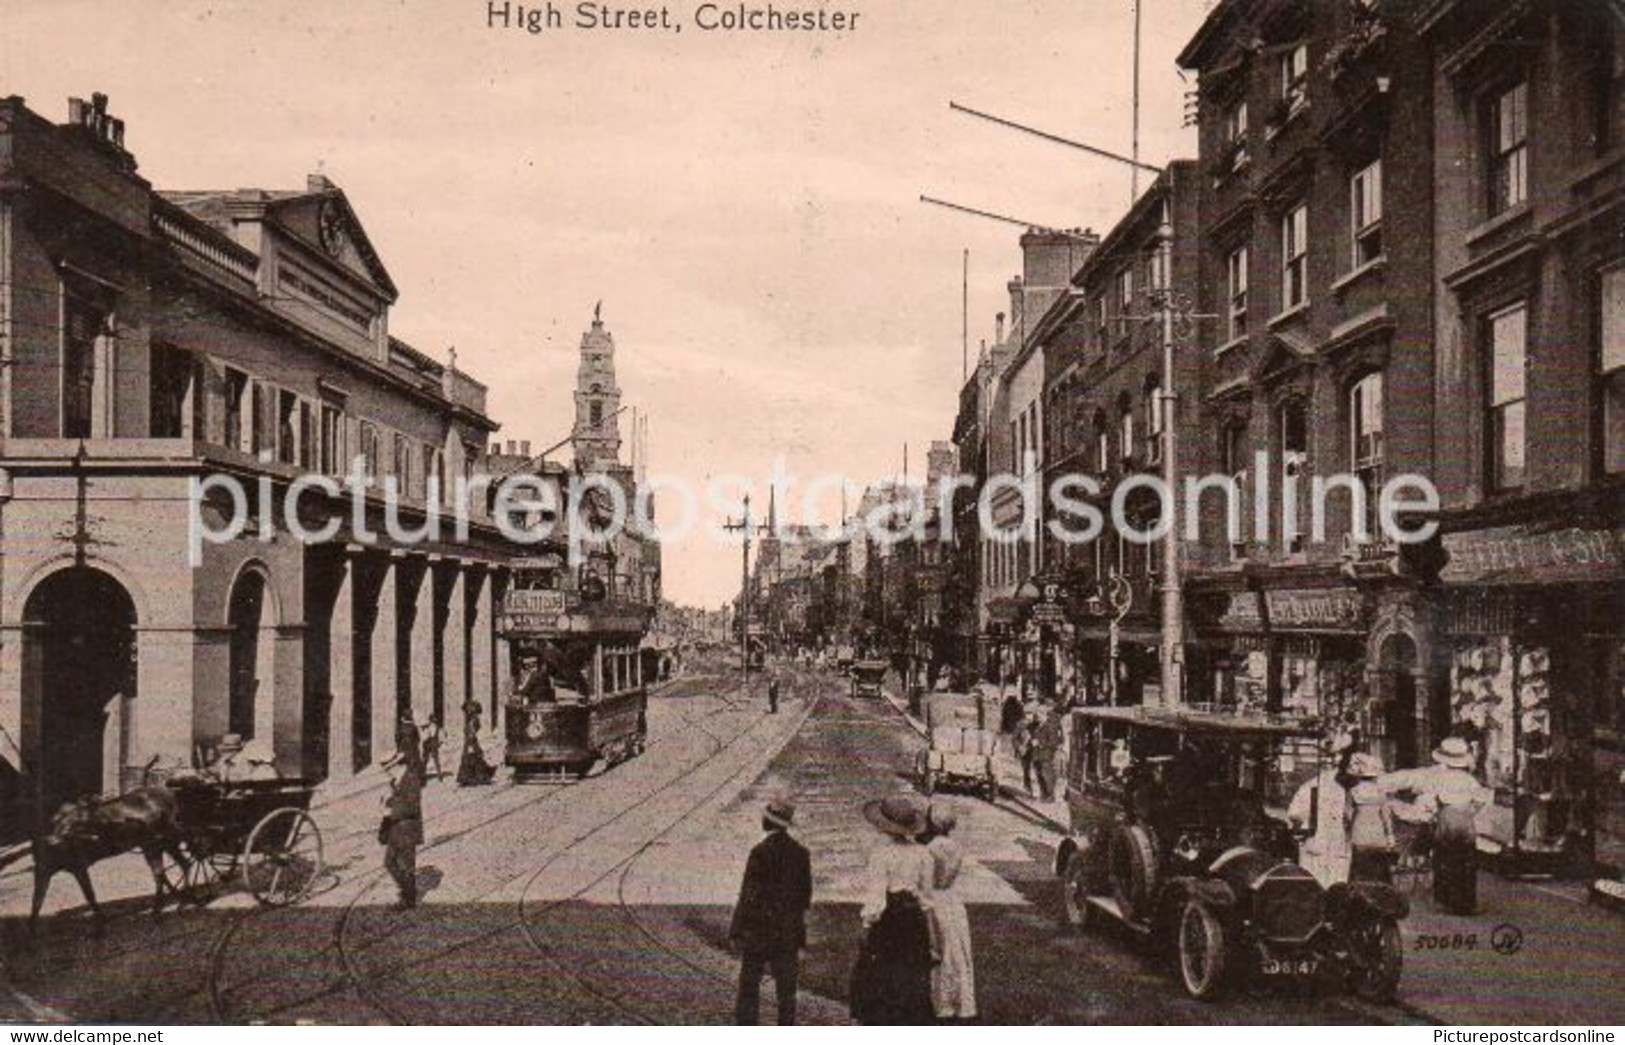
(1177, 832)
(960, 754)
(867, 676)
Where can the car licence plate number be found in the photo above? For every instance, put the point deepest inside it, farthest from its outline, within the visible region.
(1290, 967)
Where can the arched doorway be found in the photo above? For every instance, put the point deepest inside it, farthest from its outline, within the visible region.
(1415, 715)
(78, 683)
(253, 653)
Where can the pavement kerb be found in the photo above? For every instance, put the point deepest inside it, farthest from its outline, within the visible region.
(372, 777)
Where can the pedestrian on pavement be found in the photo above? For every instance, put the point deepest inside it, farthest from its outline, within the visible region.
(408, 741)
(1048, 737)
(891, 982)
(1446, 798)
(1318, 815)
(429, 739)
(1370, 824)
(401, 831)
(1027, 745)
(1010, 718)
(773, 697)
(770, 920)
(953, 978)
(472, 768)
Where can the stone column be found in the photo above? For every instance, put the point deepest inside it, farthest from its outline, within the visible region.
(161, 722)
(385, 641)
(420, 684)
(502, 666)
(11, 696)
(341, 671)
(454, 664)
(481, 674)
(288, 695)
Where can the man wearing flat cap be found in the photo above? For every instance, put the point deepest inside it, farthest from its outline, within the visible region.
(770, 921)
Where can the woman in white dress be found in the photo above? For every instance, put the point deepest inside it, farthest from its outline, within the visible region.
(953, 979)
(891, 983)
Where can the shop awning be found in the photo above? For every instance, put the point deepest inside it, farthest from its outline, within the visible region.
(1532, 554)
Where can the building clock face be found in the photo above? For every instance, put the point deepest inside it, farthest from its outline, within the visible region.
(330, 227)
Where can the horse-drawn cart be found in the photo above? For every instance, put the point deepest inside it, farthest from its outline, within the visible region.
(261, 829)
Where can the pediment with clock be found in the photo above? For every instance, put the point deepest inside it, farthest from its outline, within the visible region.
(323, 221)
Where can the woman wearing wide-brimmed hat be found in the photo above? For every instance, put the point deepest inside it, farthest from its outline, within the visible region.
(891, 983)
(1447, 796)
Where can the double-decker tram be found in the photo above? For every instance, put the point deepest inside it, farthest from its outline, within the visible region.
(578, 699)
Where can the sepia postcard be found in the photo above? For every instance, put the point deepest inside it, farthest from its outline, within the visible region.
(838, 512)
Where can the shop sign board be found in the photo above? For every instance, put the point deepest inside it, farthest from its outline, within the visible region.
(1335, 609)
(1522, 555)
(1241, 613)
(1048, 613)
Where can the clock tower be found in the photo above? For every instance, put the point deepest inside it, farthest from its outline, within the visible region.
(596, 437)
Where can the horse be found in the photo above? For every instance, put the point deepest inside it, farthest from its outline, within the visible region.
(89, 830)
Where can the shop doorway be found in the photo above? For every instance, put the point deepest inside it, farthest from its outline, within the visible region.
(78, 683)
(253, 654)
(1414, 718)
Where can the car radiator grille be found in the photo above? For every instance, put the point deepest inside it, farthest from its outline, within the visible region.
(1288, 903)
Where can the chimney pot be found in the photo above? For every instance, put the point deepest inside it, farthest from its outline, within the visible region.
(524, 447)
(496, 449)
(76, 111)
(511, 448)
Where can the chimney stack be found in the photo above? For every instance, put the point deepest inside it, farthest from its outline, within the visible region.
(524, 447)
(512, 448)
(998, 329)
(496, 449)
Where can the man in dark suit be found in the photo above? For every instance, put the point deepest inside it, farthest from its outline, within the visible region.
(770, 921)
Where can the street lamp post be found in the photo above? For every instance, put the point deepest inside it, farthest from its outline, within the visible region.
(1117, 595)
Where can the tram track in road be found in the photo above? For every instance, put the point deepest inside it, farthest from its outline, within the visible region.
(346, 950)
(618, 1001)
(720, 971)
(351, 977)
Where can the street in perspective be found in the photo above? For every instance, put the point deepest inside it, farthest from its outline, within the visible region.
(1037, 514)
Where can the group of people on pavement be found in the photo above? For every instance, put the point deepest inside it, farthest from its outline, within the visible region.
(1036, 732)
(1358, 818)
(914, 964)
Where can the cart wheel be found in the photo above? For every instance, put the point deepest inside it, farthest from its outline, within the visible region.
(283, 857)
(177, 876)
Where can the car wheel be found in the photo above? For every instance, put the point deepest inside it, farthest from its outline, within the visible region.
(1201, 951)
(1379, 958)
(1075, 893)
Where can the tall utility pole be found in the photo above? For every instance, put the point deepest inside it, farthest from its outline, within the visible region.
(744, 527)
(1171, 652)
(1134, 177)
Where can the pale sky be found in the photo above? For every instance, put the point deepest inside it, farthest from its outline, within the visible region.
(746, 205)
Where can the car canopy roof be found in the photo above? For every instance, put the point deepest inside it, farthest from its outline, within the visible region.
(1202, 721)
